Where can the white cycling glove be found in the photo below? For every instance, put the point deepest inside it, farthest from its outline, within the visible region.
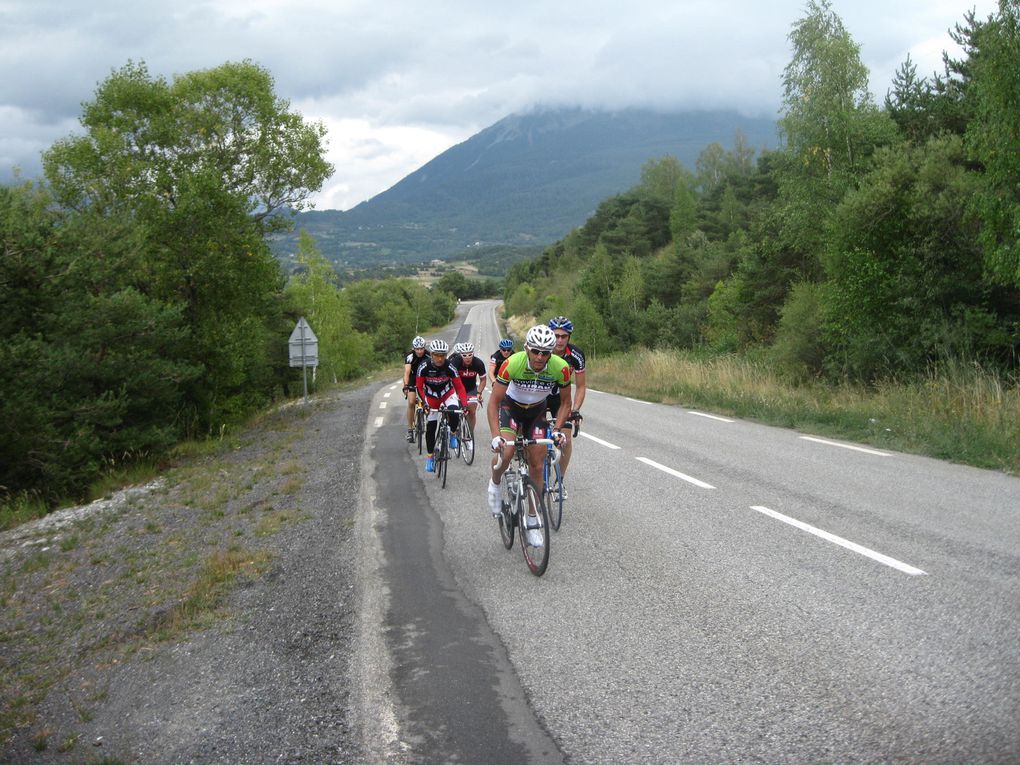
(498, 443)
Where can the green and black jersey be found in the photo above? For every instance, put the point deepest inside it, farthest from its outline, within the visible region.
(528, 387)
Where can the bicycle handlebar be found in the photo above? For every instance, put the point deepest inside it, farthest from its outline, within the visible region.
(522, 441)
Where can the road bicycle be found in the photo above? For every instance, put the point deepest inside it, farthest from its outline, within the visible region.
(441, 456)
(522, 508)
(552, 476)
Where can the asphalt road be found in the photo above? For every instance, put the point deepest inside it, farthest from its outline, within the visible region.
(720, 591)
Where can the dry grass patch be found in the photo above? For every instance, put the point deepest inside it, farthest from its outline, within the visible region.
(957, 411)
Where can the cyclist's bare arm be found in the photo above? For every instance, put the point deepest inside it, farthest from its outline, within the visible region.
(580, 388)
(564, 411)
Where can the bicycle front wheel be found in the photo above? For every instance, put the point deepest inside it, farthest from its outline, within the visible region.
(442, 453)
(419, 428)
(532, 518)
(507, 520)
(467, 441)
(554, 494)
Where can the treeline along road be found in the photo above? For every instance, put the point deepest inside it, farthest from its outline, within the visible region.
(719, 591)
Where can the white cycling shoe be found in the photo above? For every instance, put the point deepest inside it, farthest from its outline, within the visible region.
(494, 499)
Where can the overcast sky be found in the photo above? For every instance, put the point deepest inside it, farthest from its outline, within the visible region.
(397, 82)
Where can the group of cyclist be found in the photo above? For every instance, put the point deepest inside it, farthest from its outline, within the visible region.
(526, 385)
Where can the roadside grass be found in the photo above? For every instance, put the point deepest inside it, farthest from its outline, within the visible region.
(957, 412)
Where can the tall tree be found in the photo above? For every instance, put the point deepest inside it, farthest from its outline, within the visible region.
(826, 102)
(993, 138)
(201, 164)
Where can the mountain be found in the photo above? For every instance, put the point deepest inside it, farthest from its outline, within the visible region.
(526, 180)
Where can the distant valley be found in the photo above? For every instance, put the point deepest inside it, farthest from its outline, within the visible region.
(526, 181)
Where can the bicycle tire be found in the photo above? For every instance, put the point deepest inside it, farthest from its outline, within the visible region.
(419, 428)
(537, 558)
(467, 441)
(441, 453)
(554, 493)
(507, 519)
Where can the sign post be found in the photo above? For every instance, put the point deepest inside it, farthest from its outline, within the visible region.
(304, 350)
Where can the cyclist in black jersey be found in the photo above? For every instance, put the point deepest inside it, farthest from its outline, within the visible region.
(413, 358)
(562, 328)
(505, 350)
(472, 374)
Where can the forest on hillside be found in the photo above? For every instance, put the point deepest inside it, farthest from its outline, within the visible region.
(877, 242)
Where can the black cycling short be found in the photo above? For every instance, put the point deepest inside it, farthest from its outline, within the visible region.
(524, 420)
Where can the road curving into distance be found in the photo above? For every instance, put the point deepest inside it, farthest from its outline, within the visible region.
(720, 591)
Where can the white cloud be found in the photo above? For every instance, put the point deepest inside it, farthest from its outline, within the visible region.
(399, 81)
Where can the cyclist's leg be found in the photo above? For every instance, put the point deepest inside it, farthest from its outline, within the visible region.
(412, 397)
(508, 425)
(430, 432)
(536, 452)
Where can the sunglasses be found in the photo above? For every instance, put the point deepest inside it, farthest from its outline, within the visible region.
(539, 353)
(559, 336)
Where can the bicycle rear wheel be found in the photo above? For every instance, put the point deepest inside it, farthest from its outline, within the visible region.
(467, 441)
(533, 511)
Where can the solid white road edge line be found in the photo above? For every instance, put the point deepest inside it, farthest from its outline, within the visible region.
(598, 440)
(638, 401)
(846, 446)
(884, 559)
(676, 473)
(710, 416)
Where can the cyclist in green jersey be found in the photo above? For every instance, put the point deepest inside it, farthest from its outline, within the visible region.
(517, 404)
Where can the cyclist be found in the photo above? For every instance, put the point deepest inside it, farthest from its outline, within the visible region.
(472, 374)
(506, 348)
(439, 383)
(413, 358)
(517, 405)
(562, 328)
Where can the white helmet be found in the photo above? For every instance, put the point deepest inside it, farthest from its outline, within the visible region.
(465, 347)
(418, 342)
(440, 346)
(540, 338)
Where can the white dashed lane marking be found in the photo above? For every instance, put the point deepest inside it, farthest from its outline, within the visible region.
(675, 473)
(884, 559)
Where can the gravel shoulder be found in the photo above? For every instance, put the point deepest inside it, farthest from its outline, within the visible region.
(208, 617)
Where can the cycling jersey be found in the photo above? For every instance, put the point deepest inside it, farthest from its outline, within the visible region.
(469, 373)
(414, 360)
(437, 383)
(575, 358)
(527, 387)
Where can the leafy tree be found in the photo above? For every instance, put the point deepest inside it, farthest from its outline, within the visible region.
(590, 331)
(904, 265)
(993, 138)
(91, 370)
(200, 164)
(315, 294)
(826, 102)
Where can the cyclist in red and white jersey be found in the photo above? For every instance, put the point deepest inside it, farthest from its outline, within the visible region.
(438, 383)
